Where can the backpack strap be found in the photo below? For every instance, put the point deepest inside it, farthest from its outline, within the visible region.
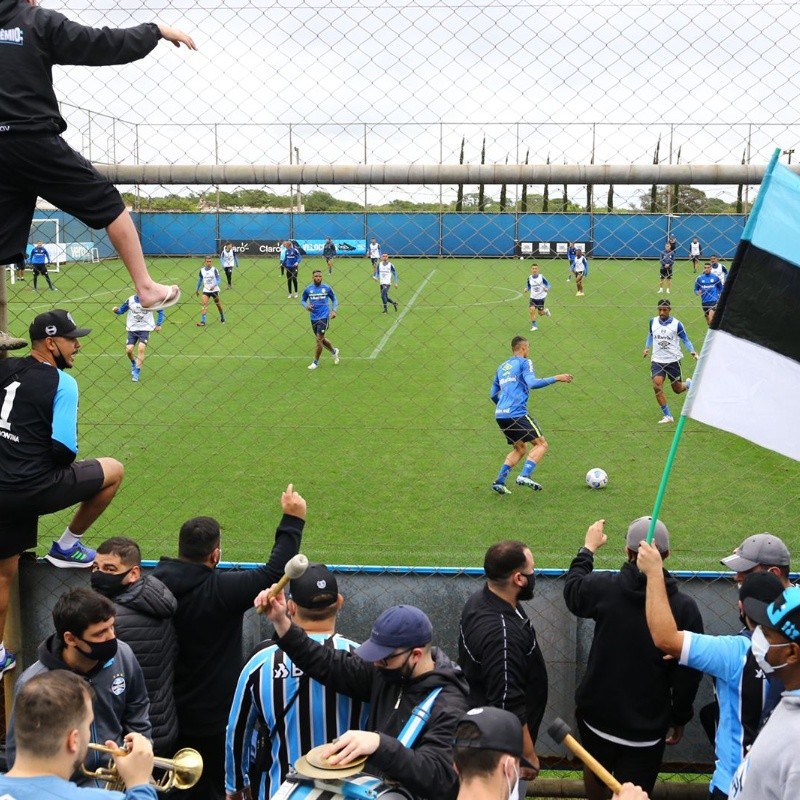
(418, 719)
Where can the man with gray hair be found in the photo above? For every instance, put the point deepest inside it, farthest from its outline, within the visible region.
(631, 702)
(762, 552)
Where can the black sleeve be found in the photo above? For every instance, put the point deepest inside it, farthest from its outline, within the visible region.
(339, 669)
(62, 455)
(238, 588)
(577, 590)
(69, 42)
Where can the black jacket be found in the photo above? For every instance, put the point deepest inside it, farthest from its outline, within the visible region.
(144, 622)
(208, 621)
(426, 769)
(501, 658)
(629, 690)
(37, 38)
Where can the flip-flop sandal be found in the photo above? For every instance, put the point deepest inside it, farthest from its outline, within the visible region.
(168, 301)
(11, 342)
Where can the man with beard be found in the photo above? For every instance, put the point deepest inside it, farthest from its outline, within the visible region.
(416, 696)
(54, 718)
(497, 646)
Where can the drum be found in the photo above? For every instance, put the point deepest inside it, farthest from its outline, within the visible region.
(356, 787)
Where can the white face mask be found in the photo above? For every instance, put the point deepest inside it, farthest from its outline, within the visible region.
(760, 647)
(512, 781)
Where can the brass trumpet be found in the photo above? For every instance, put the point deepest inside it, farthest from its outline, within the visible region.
(182, 771)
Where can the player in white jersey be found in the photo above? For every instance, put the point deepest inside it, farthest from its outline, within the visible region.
(537, 286)
(374, 251)
(209, 279)
(228, 260)
(665, 336)
(384, 273)
(139, 325)
(580, 267)
(718, 269)
(695, 252)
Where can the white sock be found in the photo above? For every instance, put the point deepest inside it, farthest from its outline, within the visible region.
(68, 539)
(2, 650)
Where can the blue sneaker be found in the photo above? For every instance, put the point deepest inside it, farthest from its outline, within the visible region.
(77, 557)
(135, 375)
(8, 663)
(500, 488)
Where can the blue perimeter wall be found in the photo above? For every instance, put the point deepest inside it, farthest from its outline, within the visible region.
(429, 234)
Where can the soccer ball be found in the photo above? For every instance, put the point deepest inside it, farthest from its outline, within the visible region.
(596, 478)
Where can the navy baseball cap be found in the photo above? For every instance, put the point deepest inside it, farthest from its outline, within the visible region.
(55, 323)
(781, 615)
(498, 730)
(398, 626)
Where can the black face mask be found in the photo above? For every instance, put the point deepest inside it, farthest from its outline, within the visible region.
(397, 676)
(100, 651)
(109, 584)
(526, 593)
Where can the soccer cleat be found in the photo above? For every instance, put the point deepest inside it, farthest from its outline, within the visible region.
(77, 557)
(53, 289)
(578, 294)
(531, 484)
(222, 321)
(569, 279)
(313, 365)
(135, 376)
(11, 342)
(295, 294)
(661, 290)
(201, 324)
(547, 312)
(335, 355)
(534, 327)
(395, 306)
(688, 384)
(290, 295)
(500, 488)
(8, 663)
(385, 311)
(665, 419)
(667, 291)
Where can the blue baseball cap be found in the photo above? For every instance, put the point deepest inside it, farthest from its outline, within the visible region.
(781, 615)
(398, 626)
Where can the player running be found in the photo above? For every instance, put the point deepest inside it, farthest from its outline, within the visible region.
(139, 325)
(510, 389)
(695, 252)
(537, 286)
(709, 287)
(580, 266)
(320, 301)
(384, 273)
(665, 337)
(209, 279)
(329, 253)
(228, 260)
(374, 251)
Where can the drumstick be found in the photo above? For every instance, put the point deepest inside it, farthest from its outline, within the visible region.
(559, 731)
(294, 568)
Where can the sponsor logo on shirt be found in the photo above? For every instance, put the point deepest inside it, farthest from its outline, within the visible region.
(12, 36)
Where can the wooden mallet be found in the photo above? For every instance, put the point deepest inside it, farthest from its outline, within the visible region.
(560, 732)
(294, 568)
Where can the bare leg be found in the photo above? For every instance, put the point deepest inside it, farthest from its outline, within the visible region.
(125, 239)
(129, 352)
(89, 510)
(658, 388)
(140, 357)
(516, 455)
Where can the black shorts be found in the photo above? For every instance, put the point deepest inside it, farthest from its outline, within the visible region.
(20, 510)
(39, 269)
(671, 370)
(709, 307)
(212, 295)
(520, 429)
(320, 326)
(536, 302)
(666, 272)
(47, 167)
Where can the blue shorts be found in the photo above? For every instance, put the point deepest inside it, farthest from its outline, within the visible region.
(320, 326)
(138, 336)
(520, 429)
(671, 370)
(536, 303)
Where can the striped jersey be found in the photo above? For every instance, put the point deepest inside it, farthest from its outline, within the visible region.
(308, 714)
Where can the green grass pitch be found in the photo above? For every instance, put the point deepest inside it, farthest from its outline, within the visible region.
(396, 448)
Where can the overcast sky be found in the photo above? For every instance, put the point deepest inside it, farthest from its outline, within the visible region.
(404, 81)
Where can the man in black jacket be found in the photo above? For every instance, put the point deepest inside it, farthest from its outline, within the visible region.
(497, 645)
(631, 702)
(208, 621)
(35, 160)
(144, 609)
(397, 671)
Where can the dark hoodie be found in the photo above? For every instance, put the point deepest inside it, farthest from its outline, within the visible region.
(120, 703)
(208, 621)
(426, 769)
(144, 621)
(629, 690)
(32, 40)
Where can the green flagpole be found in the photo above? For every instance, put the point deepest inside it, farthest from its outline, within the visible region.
(662, 487)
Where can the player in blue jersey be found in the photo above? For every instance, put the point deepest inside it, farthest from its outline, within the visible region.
(321, 303)
(709, 287)
(209, 279)
(512, 384)
(665, 336)
(666, 262)
(537, 287)
(39, 259)
(291, 262)
(740, 684)
(570, 258)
